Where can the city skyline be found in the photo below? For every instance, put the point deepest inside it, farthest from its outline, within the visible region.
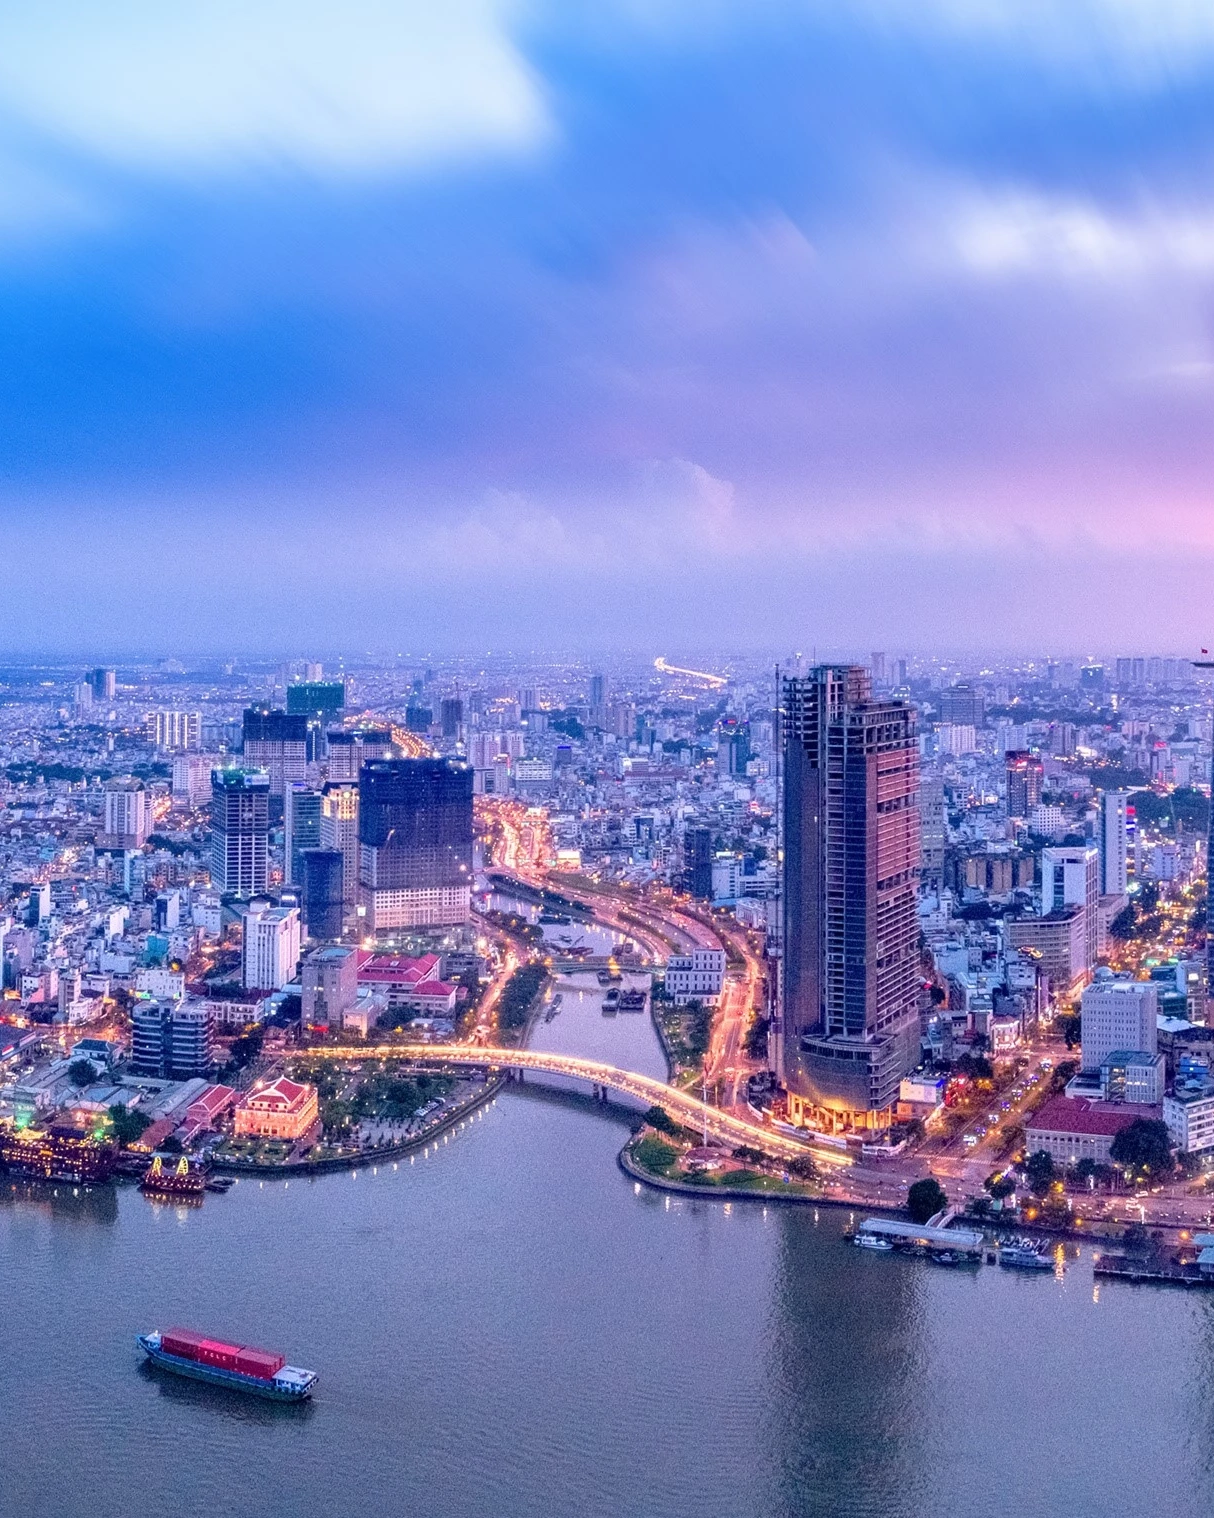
(625, 324)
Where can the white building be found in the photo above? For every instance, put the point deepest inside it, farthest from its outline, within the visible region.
(1117, 1015)
(175, 730)
(1190, 1118)
(128, 815)
(957, 738)
(271, 947)
(1070, 877)
(1114, 843)
(192, 779)
(697, 976)
(1047, 821)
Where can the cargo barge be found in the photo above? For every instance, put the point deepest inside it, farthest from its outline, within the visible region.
(235, 1366)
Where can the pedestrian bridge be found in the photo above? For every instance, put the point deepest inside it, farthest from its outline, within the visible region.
(685, 1108)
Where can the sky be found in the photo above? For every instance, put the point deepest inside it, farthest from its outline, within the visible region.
(383, 325)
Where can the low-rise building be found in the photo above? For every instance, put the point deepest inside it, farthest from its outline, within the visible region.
(1070, 1129)
(284, 1109)
(697, 976)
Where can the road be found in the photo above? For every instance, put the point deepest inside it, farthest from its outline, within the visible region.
(684, 1107)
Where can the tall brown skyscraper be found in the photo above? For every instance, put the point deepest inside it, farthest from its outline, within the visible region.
(849, 1027)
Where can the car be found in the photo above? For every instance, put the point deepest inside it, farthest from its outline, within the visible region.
(969, 1140)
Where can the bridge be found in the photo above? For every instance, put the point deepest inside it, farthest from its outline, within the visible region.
(686, 1109)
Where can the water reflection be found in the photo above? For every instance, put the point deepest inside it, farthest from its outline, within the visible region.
(62, 1200)
(845, 1346)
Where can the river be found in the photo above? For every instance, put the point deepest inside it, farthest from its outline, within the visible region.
(509, 1326)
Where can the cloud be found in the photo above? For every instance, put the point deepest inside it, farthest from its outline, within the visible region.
(364, 85)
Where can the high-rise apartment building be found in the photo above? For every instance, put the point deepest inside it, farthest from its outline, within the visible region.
(240, 831)
(301, 811)
(1114, 842)
(1025, 782)
(849, 1029)
(350, 748)
(270, 949)
(415, 837)
(733, 746)
(1070, 877)
(339, 831)
(172, 1040)
(192, 779)
(174, 731)
(128, 814)
(276, 742)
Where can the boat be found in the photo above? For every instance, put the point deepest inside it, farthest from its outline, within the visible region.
(632, 1001)
(184, 1180)
(872, 1241)
(235, 1366)
(1024, 1254)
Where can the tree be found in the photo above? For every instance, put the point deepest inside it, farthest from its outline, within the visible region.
(925, 1199)
(81, 1073)
(172, 1145)
(1122, 926)
(1039, 1171)
(999, 1184)
(802, 1167)
(127, 1124)
(659, 1118)
(756, 1037)
(974, 1065)
(1144, 1148)
(1070, 1025)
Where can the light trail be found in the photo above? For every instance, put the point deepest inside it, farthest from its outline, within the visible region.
(664, 668)
(688, 1109)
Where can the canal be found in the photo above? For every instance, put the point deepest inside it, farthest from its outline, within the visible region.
(509, 1326)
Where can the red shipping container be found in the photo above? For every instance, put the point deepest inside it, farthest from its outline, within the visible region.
(214, 1352)
(181, 1341)
(259, 1362)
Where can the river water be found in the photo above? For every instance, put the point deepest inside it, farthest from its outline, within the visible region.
(509, 1326)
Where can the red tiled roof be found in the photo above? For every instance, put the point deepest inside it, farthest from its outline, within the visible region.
(1077, 1114)
(280, 1095)
(399, 968)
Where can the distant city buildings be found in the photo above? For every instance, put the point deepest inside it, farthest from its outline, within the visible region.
(128, 814)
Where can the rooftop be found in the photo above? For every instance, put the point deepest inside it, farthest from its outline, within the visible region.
(1067, 1114)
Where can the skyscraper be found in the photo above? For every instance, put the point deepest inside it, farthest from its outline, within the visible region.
(171, 1040)
(240, 831)
(321, 892)
(849, 1029)
(301, 827)
(697, 862)
(339, 830)
(451, 713)
(1025, 778)
(322, 699)
(1114, 842)
(103, 683)
(415, 842)
(278, 743)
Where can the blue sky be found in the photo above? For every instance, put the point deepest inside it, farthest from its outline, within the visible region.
(363, 326)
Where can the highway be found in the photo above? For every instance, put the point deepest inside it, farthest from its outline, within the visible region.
(685, 1108)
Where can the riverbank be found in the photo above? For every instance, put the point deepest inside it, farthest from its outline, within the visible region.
(337, 1162)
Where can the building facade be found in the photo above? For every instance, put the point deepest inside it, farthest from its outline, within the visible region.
(1118, 1015)
(849, 1026)
(240, 831)
(415, 842)
(270, 948)
(277, 742)
(301, 812)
